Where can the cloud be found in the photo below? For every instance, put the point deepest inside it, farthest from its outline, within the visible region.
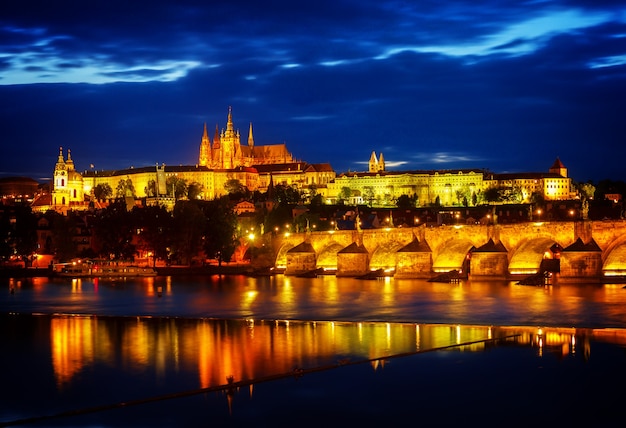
(501, 85)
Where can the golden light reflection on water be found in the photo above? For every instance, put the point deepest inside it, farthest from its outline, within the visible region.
(246, 349)
(73, 346)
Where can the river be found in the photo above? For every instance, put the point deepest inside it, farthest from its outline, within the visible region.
(286, 351)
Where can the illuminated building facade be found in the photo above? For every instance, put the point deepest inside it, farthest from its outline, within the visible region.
(446, 187)
(384, 187)
(67, 190)
(554, 185)
(219, 161)
(255, 166)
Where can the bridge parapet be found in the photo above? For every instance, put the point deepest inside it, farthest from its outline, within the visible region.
(523, 242)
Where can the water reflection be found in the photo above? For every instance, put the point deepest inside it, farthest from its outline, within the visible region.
(103, 341)
(215, 350)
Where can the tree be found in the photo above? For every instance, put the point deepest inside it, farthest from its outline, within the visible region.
(102, 191)
(234, 187)
(369, 195)
(18, 233)
(153, 224)
(125, 188)
(312, 191)
(63, 246)
(344, 194)
(188, 225)
(317, 200)
(177, 186)
(537, 198)
(406, 201)
(151, 189)
(287, 194)
(492, 195)
(194, 191)
(113, 233)
(220, 233)
(586, 190)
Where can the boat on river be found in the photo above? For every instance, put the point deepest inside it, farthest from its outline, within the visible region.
(102, 269)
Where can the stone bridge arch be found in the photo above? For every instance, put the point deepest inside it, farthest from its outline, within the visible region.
(281, 256)
(529, 254)
(384, 255)
(614, 258)
(327, 256)
(451, 255)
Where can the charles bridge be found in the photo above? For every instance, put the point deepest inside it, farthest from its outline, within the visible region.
(583, 250)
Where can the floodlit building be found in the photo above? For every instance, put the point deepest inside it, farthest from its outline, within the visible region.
(378, 186)
(219, 161)
(256, 167)
(553, 185)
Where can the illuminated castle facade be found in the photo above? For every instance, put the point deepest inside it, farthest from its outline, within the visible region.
(256, 166)
(378, 186)
(223, 159)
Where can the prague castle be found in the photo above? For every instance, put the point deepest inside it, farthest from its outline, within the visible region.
(255, 166)
(223, 159)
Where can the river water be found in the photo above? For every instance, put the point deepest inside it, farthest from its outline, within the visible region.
(286, 351)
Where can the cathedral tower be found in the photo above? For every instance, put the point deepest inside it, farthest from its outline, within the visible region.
(373, 164)
(376, 165)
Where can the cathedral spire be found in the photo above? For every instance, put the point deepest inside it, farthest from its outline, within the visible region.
(250, 137)
(229, 124)
(205, 148)
(216, 138)
(205, 134)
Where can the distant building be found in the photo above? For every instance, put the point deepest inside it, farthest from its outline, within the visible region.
(553, 185)
(378, 186)
(18, 189)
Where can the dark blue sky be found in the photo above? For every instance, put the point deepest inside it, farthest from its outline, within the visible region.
(506, 86)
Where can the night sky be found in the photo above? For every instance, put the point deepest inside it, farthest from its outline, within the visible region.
(506, 86)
